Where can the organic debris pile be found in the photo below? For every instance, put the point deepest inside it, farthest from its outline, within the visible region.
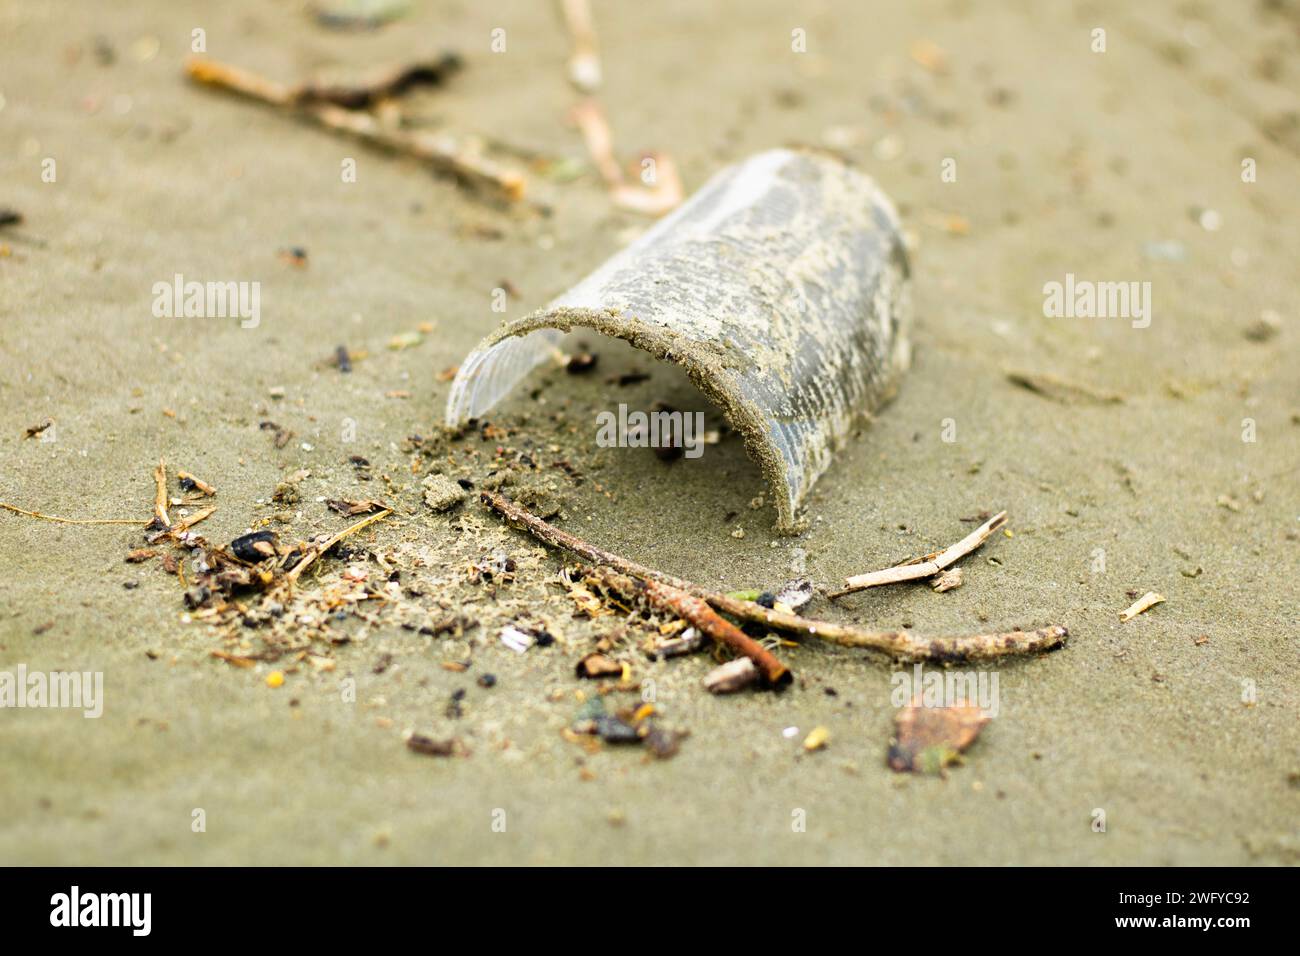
(422, 560)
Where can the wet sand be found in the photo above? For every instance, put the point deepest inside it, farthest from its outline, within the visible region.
(1068, 161)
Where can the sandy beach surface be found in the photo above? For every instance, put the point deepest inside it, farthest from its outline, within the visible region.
(1171, 466)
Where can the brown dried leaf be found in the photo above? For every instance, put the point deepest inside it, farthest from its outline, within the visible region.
(928, 739)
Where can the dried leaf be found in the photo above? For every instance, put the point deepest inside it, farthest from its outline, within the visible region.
(928, 739)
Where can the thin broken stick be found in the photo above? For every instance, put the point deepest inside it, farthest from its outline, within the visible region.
(443, 153)
(1056, 389)
(584, 64)
(320, 549)
(36, 514)
(384, 87)
(184, 524)
(1144, 603)
(160, 494)
(197, 482)
(926, 567)
(681, 603)
(896, 643)
(661, 194)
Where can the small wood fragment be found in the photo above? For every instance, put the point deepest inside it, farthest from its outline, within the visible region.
(33, 430)
(188, 481)
(451, 747)
(1144, 603)
(916, 570)
(318, 549)
(731, 676)
(947, 580)
(690, 642)
(350, 509)
(160, 494)
(595, 666)
(191, 520)
(235, 659)
(1059, 390)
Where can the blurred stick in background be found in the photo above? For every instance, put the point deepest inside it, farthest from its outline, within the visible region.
(345, 110)
(584, 64)
(656, 187)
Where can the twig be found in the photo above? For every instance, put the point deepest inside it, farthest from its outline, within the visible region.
(234, 659)
(651, 196)
(600, 142)
(663, 195)
(926, 567)
(1056, 389)
(731, 676)
(160, 495)
(37, 514)
(34, 430)
(441, 152)
(387, 85)
(946, 580)
(199, 483)
(237, 80)
(1145, 603)
(184, 524)
(677, 601)
(584, 64)
(897, 643)
(320, 549)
